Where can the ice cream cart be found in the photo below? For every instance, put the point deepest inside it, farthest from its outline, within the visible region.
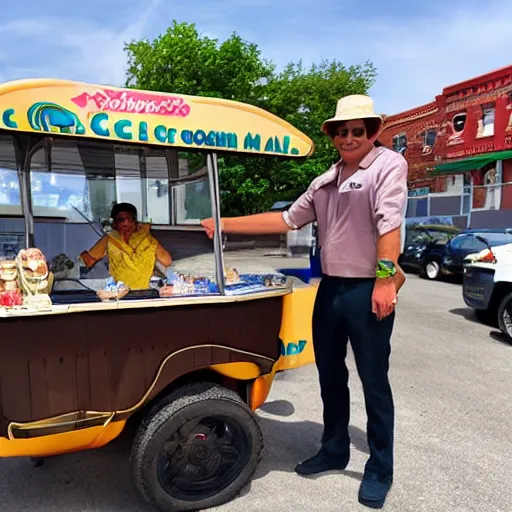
(191, 366)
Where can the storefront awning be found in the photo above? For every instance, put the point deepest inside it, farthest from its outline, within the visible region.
(470, 164)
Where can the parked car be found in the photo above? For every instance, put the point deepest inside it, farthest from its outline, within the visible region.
(419, 240)
(445, 256)
(487, 286)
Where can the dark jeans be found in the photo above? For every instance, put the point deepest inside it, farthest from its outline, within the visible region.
(343, 311)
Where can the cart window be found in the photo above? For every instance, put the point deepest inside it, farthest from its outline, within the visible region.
(10, 201)
(79, 181)
(73, 181)
(142, 179)
(191, 189)
(157, 188)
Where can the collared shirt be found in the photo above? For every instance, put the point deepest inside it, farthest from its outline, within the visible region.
(352, 213)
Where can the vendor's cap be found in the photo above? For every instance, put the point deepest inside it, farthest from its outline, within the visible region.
(355, 106)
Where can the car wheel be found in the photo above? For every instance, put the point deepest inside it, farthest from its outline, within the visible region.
(197, 451)
(487, 316)
(505, 316)
(431, 270)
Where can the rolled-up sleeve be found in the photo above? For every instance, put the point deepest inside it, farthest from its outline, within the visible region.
(301, 212)
(391, 196)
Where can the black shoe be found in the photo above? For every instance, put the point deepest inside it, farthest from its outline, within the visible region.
(322, 462)
(373, 492)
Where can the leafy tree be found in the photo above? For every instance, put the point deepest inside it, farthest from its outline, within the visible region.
(183, 61)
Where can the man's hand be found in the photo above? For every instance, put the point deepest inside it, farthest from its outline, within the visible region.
(383, 297)
(209, 226)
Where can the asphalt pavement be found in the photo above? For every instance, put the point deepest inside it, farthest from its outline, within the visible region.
(452, 381)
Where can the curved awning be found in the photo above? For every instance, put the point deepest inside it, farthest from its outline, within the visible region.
(77, 109)
(470, 164)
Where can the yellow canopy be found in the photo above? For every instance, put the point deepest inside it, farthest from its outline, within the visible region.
(134, 116)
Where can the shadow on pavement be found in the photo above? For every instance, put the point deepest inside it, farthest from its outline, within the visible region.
(281, 408)
(288, 443)
(467, 313)
(501, 338)
(100, 479)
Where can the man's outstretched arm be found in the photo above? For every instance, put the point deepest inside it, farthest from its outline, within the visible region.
(270, 223)
(299, 214)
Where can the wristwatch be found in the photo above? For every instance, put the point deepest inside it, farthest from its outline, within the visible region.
(385, 268)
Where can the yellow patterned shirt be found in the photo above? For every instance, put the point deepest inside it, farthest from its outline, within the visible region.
(133, 262)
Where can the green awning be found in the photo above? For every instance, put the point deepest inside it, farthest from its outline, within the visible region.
(471, 164)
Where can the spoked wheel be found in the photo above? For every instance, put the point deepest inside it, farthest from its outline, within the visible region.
(198, 451)
(432, 269)
(505, 316)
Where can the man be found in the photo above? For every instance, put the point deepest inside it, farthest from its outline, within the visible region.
(131, 249)
(359, 207)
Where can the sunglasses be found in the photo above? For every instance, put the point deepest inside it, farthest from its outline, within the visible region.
(124, 218)
(356, 132)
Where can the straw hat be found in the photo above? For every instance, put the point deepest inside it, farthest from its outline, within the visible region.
(355, 106)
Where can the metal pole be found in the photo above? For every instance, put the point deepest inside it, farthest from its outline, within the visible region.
(498, 188)
(471, 185)
(213, 178)
(23, 157)
(143, 185)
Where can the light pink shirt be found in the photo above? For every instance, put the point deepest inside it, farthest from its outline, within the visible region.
(351, 214)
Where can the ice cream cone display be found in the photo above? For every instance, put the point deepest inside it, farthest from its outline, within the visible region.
(10, 294)
(187, 284)
(232, 276)
(33, 278)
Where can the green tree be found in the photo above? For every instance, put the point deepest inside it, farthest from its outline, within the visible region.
(184, 61)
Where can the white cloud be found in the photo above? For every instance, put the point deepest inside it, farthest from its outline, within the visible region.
(84, 51)
(415, 57)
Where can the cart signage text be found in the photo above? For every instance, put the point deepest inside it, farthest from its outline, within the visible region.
(148, 117)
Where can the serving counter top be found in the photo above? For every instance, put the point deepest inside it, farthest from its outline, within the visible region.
(59, 309)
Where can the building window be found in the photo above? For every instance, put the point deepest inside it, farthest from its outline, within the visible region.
(429, 140)
(459, 122)
(486, 122)
(400, 143)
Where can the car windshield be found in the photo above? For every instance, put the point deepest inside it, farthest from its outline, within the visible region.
(427, 236)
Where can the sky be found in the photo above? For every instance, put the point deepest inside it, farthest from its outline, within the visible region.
(417, 49)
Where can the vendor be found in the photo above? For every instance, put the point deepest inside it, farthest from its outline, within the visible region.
(132, 251)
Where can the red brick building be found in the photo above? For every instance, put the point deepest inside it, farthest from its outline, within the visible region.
(461, 141)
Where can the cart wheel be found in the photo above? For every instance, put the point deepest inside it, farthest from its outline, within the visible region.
(37, 461)
(197, 451)
(505, 317)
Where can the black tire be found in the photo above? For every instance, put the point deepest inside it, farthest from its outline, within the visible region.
(431, 270)
(505, 316)
(487, 316)
(215, 441)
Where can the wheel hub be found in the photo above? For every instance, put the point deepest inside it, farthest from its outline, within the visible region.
(507, 319)
(203, 457)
